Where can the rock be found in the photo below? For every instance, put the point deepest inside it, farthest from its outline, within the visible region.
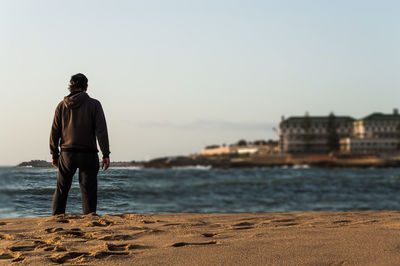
(35, 163)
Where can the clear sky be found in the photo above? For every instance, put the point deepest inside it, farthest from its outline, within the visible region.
(174, 76)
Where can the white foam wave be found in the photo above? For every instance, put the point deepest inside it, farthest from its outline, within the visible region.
(194, 167)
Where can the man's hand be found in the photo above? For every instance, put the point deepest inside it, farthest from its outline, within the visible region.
(55, 163)
(105, 163)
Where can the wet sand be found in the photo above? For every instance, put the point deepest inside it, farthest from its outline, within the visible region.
(297, 238)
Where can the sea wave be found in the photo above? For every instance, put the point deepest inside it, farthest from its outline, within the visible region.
(195, 167)
(28, 191)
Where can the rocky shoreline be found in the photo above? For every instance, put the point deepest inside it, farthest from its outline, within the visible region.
(225, 162)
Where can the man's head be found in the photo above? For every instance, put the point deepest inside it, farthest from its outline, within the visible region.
(78, 82)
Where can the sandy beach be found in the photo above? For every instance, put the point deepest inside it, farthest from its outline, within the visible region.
(300, 238)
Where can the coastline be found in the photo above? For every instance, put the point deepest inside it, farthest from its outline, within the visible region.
(300, 238)
(254, 161)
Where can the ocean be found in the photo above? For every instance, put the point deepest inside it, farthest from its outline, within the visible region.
(27, 192)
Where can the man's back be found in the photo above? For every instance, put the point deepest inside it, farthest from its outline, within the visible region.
(78, 120)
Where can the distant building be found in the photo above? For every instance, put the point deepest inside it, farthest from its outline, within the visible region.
(376, 133)
(368, 145)
(378, 125)
(216, 150)
(311, 134)
(260, 147)
(247, 150)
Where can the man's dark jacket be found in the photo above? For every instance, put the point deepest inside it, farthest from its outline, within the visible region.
(78, 120)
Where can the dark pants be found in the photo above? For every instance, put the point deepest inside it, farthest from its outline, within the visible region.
(88, 164)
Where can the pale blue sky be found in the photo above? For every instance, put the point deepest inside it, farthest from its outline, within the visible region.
(174, 76)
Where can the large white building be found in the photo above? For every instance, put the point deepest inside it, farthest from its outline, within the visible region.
(376, 133)
(310, 134)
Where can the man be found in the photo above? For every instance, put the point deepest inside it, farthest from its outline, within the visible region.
(78, 120)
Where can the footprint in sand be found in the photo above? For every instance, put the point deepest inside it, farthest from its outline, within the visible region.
(209, 234)
(130, 237)
(75, 232)
(45, 244)
(18, 259)
(68, 257)
(116, 237)
(99, 223)
(172, 224)
(63, 221)
(55, 248)
(123, 247)
(199, 223)
(22, 248)
(39, 242)
(6, 256)
(182, 244)
(14, 257)
(53, 230)
(285, 222)
(6, 237)
(105, 254)
(129, 247)
(243, 226)
(120, 247)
